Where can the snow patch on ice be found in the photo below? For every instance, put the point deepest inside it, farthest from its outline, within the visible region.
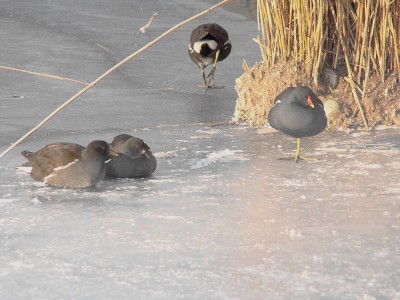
(24, 170)
(164, 155)
(395, 164)
(359, 133)
(195, 189)
(210, 204)
(167, 180)
(36, 201)
(329, 144)
(225, 155)
(291, 182)
(213, 176)
(164, 217)
(349, 195)
(377, 146)
(41, 185)
(390, 191)
(368, 166)
(5, 201)
(270, 221)
(212, 131)
(184, 141)
(200, 137)
(293, 233)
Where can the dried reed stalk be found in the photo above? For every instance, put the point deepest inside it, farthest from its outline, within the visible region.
(92, 84)
(143, 29)
(44, 75)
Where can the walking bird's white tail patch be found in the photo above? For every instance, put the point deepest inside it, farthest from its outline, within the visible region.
(211, 44)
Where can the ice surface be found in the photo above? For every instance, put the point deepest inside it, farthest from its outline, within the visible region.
(239, 225)
(225, 155)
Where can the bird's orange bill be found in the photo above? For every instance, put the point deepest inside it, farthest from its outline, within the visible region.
(309, 102)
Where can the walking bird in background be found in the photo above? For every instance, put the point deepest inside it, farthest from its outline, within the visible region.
(209, 44)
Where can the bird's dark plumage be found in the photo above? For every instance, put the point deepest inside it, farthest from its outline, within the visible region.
(293, 114)
(69, 165)
(209, 43)
(298, 112)
(135, 158)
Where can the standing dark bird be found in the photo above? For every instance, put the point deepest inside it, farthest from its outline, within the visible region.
(69, 165)
(299, 113)
(135, 158)
(209, 43)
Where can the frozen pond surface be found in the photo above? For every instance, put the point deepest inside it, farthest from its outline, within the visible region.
(221, 218)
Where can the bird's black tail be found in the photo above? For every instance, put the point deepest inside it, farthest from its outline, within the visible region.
(27, 154)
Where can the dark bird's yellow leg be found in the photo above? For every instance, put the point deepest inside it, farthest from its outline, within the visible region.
(297, 155)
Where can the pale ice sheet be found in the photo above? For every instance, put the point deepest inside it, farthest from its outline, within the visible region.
(241, 225)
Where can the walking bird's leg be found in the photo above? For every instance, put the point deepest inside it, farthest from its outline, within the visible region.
(211, 75)
(203, 74)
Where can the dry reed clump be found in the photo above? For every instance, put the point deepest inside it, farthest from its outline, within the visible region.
(258, 86)
(347, 50)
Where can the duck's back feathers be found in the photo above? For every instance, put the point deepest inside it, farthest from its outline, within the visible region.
(135, 158)
(68, 164)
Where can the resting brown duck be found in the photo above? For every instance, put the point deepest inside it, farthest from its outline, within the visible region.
(69, 165)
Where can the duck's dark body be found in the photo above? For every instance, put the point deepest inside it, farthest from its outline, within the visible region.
(135, 158)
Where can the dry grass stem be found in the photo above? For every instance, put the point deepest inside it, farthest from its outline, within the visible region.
(245, 66)
(143, 29)
(44, 75)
